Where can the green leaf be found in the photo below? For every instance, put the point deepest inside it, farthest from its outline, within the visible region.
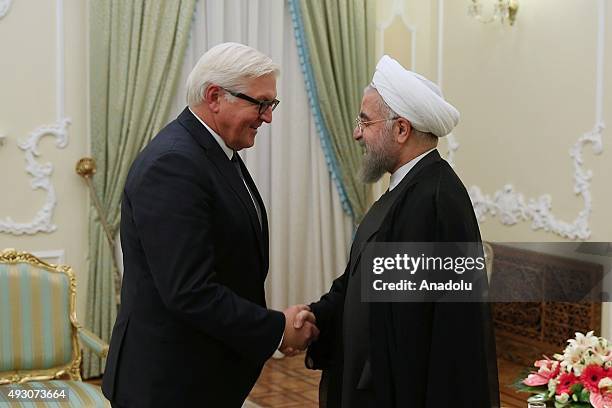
(532, 390)
(585, 396)
(576, 388)
(518, 383)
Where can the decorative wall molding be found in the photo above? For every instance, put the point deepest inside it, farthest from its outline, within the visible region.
(41, 173)
(41, 179)
(511, 205)
(398, 11)
(5, 5)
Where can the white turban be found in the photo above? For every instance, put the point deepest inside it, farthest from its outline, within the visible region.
(414, 97)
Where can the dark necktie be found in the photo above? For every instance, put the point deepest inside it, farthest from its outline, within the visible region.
(239, 170)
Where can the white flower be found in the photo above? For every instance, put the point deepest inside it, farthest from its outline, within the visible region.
(602, 346)
(562, 399)
(552, 386)
(585, 341)
(605, 382)
(574, 358)
(591, 357)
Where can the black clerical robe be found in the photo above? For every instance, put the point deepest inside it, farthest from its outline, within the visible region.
(407, 354)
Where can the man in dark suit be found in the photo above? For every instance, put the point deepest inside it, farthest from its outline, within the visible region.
(193, 329)
(411, 354)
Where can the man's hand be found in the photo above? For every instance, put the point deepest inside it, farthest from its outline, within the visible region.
(300, 329)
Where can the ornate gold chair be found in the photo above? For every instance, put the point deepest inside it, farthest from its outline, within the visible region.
(39, 333)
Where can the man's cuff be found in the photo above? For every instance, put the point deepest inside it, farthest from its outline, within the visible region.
(281, 341)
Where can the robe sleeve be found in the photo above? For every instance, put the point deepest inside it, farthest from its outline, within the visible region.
(327, 311)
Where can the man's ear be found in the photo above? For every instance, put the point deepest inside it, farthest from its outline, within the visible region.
(404, 130)
(212, 98)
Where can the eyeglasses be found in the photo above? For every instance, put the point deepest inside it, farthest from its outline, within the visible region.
(263, 105)
(363, 124)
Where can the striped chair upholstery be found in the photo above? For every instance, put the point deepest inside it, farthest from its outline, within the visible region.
(80, 394)
(39, 333)
(35, 327)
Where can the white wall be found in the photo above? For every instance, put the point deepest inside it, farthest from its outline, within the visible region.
(526, 94)
(28, 100)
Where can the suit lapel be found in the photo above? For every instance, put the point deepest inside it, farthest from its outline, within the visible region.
(229, 173)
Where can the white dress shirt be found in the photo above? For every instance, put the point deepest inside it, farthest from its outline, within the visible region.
(230, 153)
(227, 150)
(400, 173)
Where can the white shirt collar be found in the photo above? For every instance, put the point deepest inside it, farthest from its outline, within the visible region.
(400, 173)
(227, 150)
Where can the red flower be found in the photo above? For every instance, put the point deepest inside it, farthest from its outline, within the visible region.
(591, 376)
(566, 380)
(547, 369)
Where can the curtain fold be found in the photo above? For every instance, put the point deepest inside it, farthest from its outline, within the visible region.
(336, 43)
(136, 52)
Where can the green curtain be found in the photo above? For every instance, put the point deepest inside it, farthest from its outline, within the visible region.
(136, 51)
(340, 42)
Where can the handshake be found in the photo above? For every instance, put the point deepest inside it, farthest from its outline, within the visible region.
(300, 330)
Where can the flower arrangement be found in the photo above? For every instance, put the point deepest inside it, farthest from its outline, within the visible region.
(580, 377)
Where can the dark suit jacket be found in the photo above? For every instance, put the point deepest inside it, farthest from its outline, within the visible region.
(193, 328)
(421, 354)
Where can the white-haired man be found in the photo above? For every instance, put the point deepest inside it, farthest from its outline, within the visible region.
(193, 329)
(410, 354)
